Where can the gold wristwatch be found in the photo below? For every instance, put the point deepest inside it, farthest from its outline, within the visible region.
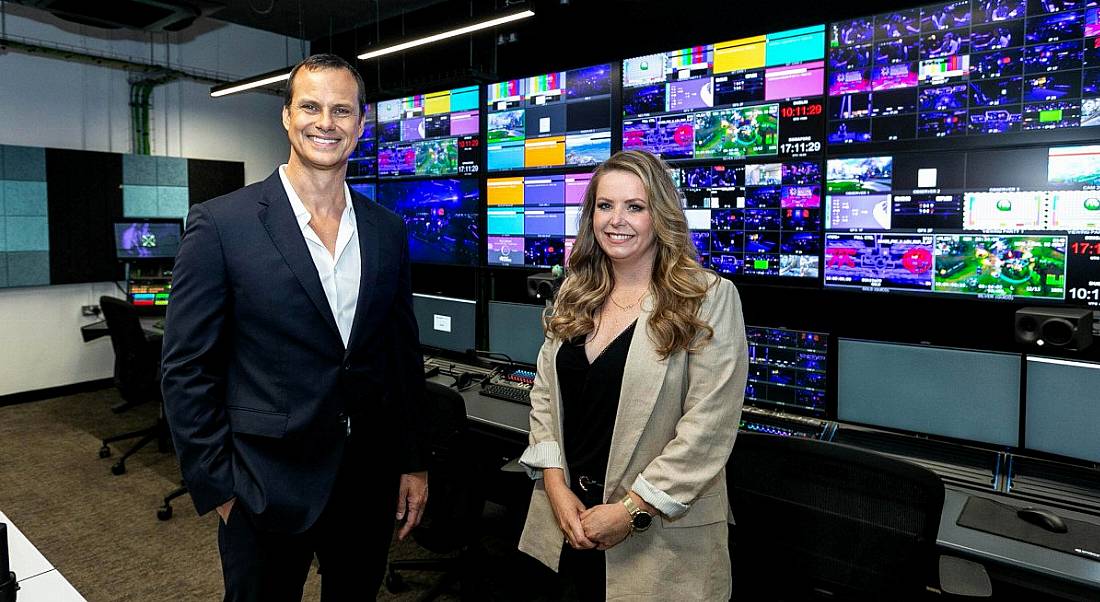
(640, 520)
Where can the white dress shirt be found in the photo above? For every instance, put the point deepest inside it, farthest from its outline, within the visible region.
(339, 272)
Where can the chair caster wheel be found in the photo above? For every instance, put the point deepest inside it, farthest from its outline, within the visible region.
(394, 583)
(104, 452)
(164, 513)
(118, 469)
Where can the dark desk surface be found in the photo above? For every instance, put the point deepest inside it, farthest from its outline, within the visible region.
(1018, 554)
(95, 330)
(513, 417)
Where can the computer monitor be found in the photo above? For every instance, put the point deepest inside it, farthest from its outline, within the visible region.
(446, 323)
(550, 120)
(1005, 224)
(434, 134)
(141, 239)
(787, 370)
(956, 393)
(1062, 409)
(441, 216)
(149, 294)
(532, 221)
(515, 329)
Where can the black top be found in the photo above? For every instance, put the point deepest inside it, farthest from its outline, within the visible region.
(590, 400)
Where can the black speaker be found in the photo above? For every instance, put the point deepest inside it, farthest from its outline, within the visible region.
(1056, 326)
(544, 286)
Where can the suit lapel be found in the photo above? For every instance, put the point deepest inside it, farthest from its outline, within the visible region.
(282, 227)
(367, 230)
(643, 376)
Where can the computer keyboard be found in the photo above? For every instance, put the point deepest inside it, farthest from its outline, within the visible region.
(507, 393)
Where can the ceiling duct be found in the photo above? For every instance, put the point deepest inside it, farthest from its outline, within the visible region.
(142, 15)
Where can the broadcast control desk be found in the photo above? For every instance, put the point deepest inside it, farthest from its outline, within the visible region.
(1067, 576)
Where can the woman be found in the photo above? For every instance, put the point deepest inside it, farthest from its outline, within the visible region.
(637, 400)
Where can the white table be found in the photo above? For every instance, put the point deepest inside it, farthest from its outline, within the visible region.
(39, 580)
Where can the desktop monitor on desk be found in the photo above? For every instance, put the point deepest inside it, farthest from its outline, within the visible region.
(147, 239)
(150, 295)
(445, 323)
(955, 393)
(515, 330)
(1062, 409)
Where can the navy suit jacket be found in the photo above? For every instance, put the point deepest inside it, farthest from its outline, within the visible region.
(257, 383)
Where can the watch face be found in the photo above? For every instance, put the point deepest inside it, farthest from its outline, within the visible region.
(642, 521)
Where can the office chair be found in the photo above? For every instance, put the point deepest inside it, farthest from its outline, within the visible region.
(457, 499)
(137, 376)
(829, 521)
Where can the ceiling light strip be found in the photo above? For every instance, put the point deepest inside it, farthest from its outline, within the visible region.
(217, 91)
(447, 34)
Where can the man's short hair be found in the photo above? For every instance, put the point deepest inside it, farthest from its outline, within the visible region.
(325, 61)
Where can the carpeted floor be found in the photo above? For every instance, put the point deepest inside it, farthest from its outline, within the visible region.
(101, 530)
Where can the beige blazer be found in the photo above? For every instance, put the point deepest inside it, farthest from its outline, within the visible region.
(674, 431)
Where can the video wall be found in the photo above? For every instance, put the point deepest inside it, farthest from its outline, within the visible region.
(763, 137)
(532, 220)
(432, 134)
(964, 69)
(992, 224)
(761, 219)
(550, 120)
(745, 98)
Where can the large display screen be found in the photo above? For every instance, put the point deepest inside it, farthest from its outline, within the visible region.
(441, 216)
(995, 224)
(759, 220)
(550, 120)
(363, 162)
(753, 97)
(787, 370)
(429, 134)
(964, 69)
(532, 220)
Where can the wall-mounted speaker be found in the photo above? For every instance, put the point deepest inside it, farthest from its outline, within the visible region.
(1055, 326)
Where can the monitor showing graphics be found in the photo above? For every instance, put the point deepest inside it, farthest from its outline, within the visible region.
(759, 221)
(441, 217)
(363, 161)
(956, 393)
(147, 239)
(753, 97)
(532, 220)
(515, 329)
(550, 120)
(445, 323)
(429, 134)
(787, 370)
(1003, 224)
(1062, 410)
(965, 69)
(149, 293)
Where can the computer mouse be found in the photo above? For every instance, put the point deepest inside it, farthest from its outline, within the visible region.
(1042, 518)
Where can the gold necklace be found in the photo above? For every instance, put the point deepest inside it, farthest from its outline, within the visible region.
(626, 307)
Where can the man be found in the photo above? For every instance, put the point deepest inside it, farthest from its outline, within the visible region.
(292, 371)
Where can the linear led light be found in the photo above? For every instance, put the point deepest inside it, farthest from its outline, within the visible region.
(447, 34)
(258, 81)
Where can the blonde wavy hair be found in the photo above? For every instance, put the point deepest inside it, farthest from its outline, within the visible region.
(679, 283)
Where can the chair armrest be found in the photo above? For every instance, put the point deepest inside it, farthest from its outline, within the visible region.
(960, 577)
